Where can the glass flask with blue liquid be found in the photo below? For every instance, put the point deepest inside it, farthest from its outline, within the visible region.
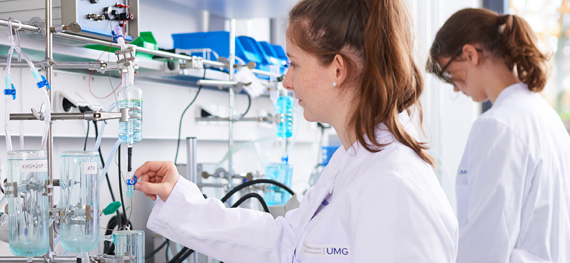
(79, 201)
(130, 96)
(284, 109)
(282, 173)
(28, 208)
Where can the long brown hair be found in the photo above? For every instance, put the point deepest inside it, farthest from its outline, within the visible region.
(377, 35)
(504, 36)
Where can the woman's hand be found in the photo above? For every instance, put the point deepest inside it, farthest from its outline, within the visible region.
(157, 179)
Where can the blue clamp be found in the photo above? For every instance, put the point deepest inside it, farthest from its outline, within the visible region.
(115, 36)
(132, 181)
(43, 83)
(11, 91)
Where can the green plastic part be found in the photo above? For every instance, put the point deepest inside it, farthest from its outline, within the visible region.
(146, 40)
(112, 208)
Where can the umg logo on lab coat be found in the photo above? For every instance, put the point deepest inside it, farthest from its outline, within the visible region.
(326, 250)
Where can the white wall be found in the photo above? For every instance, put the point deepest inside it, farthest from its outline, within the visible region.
(447, 115)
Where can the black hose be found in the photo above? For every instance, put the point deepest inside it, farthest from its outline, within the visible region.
(86, 137)
(252, 195)
(252, 182)
(130, 159)
(121, 184)
(147, 257)
(184, 256)
(178, 255)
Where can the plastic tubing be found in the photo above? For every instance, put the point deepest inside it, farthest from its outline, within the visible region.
(8, 101)
(109, 161)
(102, 129)
(47, 109)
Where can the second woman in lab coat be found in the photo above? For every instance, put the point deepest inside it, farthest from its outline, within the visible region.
(378, 200)
(513, 191)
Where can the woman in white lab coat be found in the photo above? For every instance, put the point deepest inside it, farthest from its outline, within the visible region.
(513, 187)
(378, 200)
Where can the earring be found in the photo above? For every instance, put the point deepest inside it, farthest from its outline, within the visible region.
(334, 84)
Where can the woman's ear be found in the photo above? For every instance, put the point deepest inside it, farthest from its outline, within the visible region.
(340, 70)
(471, 54)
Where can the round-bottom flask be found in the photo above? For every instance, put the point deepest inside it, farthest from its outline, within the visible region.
(79, 202)
(28, 206)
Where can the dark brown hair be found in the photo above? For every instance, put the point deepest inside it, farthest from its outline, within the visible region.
(373, 34)
(505, 36)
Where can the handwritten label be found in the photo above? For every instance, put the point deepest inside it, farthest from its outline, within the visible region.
(33, 166)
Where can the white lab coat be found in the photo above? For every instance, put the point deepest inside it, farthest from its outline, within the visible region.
(366, 207)
(512, 183)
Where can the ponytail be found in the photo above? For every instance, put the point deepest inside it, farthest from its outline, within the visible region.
(521, 52)
(374, 35)
(391, 81)
(505, 36)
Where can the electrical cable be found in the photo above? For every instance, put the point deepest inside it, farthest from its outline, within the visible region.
(252, 195)
(86, 137)
(252, 182)
(248, 104)
(182, 116)
(147, 257)
(207, 114)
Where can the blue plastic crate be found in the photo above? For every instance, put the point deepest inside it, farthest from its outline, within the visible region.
(218, 41)
(252, 52)
(273, 57)
(280, 53)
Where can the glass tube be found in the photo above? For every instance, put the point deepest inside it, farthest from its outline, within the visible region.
(79, 201)
(28, 205)
(130, 243)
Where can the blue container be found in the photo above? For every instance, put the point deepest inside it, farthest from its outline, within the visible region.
(273, 57)
(280, 53)
(327, 153)
(283, 174)
(246, 48)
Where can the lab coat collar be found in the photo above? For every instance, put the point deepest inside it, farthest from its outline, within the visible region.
(508, 91)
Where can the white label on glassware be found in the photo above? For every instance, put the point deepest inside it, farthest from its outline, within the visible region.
(90, 168)
(33, 166)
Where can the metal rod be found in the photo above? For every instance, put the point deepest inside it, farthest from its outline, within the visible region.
(191, 163)
(49, 72)
(231, 107)
(92, 65)
(139, 49)
(265, 73)
(20, 26)
(39, 259)
(89, 115)
(215, 83)
(269, 119)
(212, 185)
